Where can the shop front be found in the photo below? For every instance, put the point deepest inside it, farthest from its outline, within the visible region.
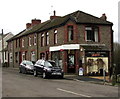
(66, 57)
(96, 60)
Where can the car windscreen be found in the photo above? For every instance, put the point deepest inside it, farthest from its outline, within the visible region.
(29, 63)
(50, 64)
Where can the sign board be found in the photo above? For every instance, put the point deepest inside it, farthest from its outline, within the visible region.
(96, 54)
(80, 71)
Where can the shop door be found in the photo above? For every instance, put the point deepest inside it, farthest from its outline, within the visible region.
(71, 63)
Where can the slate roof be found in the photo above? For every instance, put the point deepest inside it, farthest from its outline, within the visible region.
(79, 17)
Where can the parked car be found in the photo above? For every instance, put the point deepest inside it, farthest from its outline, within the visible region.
(26, 67)
(47, 69)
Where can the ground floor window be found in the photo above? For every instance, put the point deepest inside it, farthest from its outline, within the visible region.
(23, 56)
(16, 57)
(56, 56)
(33, 56)
(42, 55)
(11, 57)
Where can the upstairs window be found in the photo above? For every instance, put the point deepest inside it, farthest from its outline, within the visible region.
(70, 33)
(30, 41)
(35, 39)
(42, 39)
(92, 34)
(23, 41)
(47, 38)
(55, 36)
(16, 43)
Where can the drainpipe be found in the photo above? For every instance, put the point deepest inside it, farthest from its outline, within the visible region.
(37, 46)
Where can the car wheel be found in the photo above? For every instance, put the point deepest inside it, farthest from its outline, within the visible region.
(35, 73)
(20, 71)
(25, 71)
(44, 75)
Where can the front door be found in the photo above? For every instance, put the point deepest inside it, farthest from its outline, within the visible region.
(71, 63)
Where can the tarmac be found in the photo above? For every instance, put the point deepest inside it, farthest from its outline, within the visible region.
(90, 79)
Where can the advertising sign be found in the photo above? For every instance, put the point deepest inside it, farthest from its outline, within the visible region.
(80, 71)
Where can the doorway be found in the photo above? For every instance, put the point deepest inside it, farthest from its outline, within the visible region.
(71, 62)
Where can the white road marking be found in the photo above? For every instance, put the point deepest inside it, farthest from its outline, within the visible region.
(72, 92)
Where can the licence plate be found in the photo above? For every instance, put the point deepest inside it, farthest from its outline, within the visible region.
(56, 73)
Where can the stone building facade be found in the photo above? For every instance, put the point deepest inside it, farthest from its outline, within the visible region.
(72, 41)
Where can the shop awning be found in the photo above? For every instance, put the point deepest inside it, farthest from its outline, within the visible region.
(65, 47)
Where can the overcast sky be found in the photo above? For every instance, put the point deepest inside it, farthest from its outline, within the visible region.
(14, 14)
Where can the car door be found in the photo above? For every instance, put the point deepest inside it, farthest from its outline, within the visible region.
(42, 66)
(38, 66)
(22, 66)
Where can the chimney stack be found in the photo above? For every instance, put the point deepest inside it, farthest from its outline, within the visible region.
(103, 17)
(35, 21)
(28, 25)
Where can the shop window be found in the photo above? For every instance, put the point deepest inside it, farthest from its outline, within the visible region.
(92, 34)
(42, 39)
(70, 33)
(55, 36)
(47, 38)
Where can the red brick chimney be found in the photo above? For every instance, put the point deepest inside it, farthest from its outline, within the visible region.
(54, 15)
(103, 17)
(35, 22)
(28, 25)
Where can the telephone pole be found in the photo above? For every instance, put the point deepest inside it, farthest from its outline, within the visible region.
(2, 49)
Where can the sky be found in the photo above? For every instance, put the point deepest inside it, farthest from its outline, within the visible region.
(14, 14)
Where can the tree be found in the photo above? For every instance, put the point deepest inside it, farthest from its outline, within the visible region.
(116, 58)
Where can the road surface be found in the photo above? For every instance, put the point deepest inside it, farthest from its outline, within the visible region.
(15, 84)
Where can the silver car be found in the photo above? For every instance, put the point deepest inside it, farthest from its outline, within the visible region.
(26, 67)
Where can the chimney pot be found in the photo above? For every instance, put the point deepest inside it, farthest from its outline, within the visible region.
(54, 13)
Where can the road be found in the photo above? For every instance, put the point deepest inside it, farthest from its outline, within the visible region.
(15, 84)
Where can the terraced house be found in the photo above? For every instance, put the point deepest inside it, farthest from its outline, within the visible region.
(72, 41)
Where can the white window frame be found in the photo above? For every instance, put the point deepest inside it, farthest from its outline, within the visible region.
(42, 39)
(23, 41)
(55, 36)
(96, 34)
(29, 41)
(35, 39)
(47, 38)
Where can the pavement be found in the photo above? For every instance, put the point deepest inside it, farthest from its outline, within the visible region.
(90, 79)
